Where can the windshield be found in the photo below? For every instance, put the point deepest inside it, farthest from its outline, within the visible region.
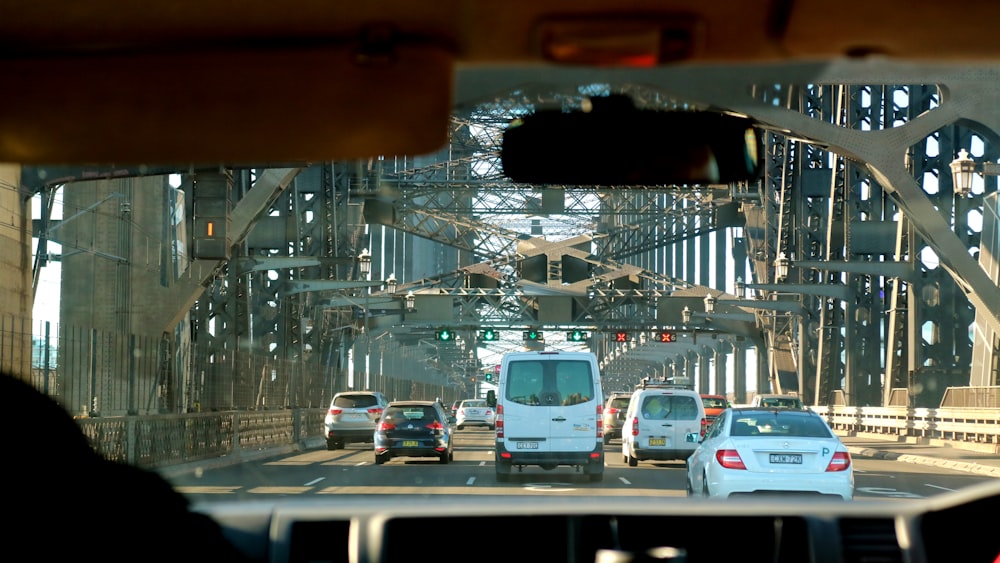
(326, 235)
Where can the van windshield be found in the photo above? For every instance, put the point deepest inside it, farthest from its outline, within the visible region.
(549, 382)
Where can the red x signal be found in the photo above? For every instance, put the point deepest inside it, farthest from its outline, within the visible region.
(667, 336)
(621, 336)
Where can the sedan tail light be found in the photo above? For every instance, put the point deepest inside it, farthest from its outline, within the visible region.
(730, 459)
(375, 410)
(840, 461)
(436, 425)
(386, 426)
(336, 411)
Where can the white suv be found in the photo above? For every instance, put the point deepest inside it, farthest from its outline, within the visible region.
(352, 417)
(664, 422)
(549, 408)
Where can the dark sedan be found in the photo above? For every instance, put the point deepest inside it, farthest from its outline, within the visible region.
(413, 429)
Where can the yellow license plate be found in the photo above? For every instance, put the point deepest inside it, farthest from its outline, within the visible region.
(410, 443)
(657, 441)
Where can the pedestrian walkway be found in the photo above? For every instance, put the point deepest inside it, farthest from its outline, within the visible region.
(948, 457)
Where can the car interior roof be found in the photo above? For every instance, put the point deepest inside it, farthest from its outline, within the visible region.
(402, 61)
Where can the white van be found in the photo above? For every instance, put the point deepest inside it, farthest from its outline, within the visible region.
(549, 413)
(664, 422)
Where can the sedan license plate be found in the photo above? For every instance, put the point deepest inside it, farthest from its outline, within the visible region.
(657, 441)
(410, 443)
(786, 458)
(527, 445)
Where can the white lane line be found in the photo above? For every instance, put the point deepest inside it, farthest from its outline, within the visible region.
(314, 481)
(482, 463)
(937, 487)
(470, 481)
(624, 480)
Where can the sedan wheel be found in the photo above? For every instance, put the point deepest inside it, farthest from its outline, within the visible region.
(704, 487)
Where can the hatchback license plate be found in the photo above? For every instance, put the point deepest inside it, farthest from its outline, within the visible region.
(786, 458)
(410, 443)
(527, 445)
(657, 441)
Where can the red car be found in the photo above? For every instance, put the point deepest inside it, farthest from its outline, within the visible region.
(714, 405)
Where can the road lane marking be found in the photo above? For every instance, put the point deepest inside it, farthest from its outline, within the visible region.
(624, 480)
(314, 481)
(470, 481)
(937, 487)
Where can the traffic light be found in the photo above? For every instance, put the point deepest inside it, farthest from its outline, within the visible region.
(444, 335)
(489, 335)
(666, 336)
(533, 335)
(621, 336)
(576, 336)
(488, 376)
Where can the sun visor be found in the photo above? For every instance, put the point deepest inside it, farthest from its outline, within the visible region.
(298, 104)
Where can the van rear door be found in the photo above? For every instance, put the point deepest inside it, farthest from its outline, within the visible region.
(549, 404)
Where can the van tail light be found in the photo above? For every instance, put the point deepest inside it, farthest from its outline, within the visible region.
(498, 421)
(336, 411)
(840, 461)
(635, 426)
(730, 459)
(600, 420)
(704, 426)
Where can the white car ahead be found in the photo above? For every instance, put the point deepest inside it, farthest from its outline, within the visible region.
(755, 451)
(475, 412)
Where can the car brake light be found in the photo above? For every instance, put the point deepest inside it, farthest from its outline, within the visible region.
(386, 426)
(612, 410)
(635, 426)
(374, 410)
(436, 425)
(600, 420)
(730, 459)
(498, 421)
(839, 462)
(336, 411)
(704, 426)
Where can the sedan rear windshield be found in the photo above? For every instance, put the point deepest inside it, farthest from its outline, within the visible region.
(780, 424)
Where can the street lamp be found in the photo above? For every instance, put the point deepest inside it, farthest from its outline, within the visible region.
(686, 315)
(709, 304)
(391, 284)
(739, 286)
(365, 262)
(781, 264)
(410, 302)
(962, 169)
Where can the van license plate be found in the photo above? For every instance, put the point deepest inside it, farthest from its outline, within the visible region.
(786, 458)
(527, 445)
(410, 443)
(657, 441)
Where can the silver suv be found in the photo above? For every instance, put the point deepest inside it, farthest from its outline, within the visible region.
(352, 418)
(614, 414)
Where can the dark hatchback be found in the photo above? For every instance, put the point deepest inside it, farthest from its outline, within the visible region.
(413, 429)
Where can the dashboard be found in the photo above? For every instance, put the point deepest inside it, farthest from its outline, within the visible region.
(395, 528)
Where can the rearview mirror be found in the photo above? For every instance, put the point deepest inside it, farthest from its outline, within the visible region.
(612, 143)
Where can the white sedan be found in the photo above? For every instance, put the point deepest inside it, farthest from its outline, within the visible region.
(753, 451)
(475, 412)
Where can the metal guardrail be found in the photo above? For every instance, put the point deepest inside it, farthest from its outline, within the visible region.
(960, 427)
(155, 442)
